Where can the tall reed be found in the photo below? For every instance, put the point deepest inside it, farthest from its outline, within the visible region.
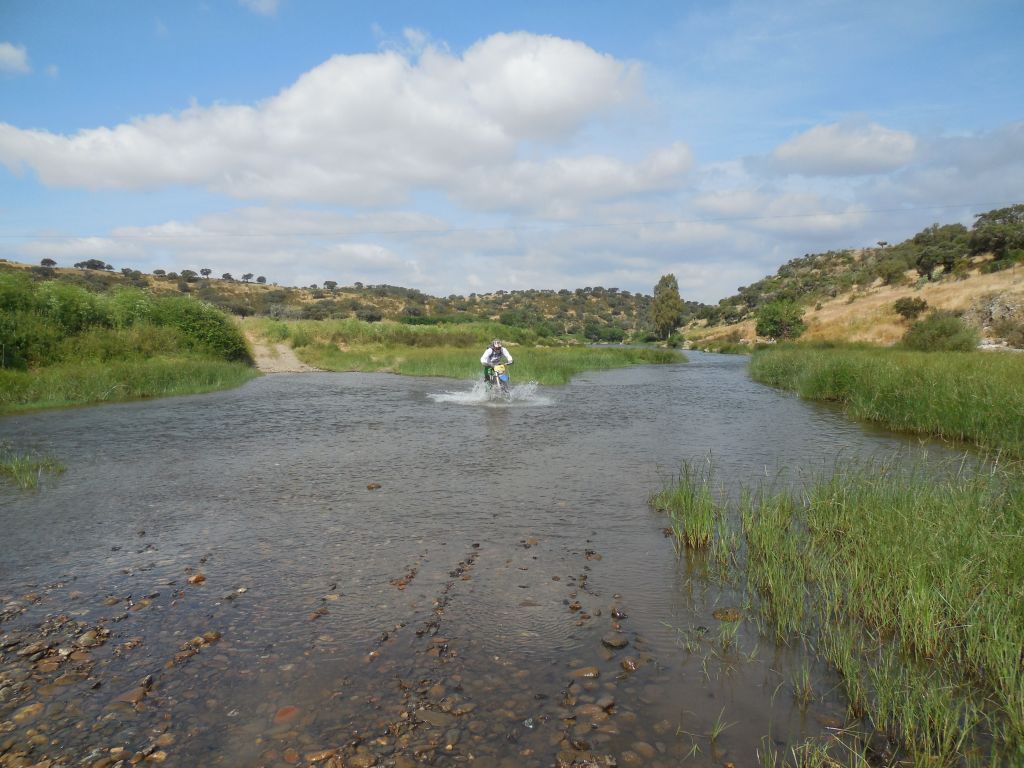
(98, 382)
(970, 396)
(930, 569)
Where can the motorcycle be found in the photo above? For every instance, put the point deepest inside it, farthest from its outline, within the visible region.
(497, 378)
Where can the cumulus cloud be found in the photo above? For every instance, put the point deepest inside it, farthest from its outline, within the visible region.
(357, 129)
(557, 187)
(845, 149)
(14, 59)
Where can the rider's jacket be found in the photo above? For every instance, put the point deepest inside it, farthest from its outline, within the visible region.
(490, 357)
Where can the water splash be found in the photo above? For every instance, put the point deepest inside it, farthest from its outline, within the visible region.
(519, 395)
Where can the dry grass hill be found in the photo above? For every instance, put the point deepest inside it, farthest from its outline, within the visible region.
(868, 314)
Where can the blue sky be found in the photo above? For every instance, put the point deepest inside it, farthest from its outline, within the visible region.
(455, 149)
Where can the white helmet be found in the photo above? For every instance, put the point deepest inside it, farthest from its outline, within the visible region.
(496, 344)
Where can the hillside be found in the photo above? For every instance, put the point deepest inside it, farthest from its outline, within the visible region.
(869, 315)
(593, 313)
(849, 295)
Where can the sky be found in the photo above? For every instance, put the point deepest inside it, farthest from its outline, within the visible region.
(458, 148)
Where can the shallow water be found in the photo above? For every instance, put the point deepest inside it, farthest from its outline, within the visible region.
(443, 615)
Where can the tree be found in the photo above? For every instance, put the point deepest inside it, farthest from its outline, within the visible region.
(667, 307)
(247, 277)
(892, 272)
(159, 272)
(189, 276)
(261, 280)
(927, 261)
(205, 271)
(48, 263)
(227, 276)
(780, 320)
(92, 264)
(330, 285)
(909, 307)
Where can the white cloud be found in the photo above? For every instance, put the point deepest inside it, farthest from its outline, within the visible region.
(14, 59)
(262, 7)
(556, 188)
(845, 149)
(358, 129)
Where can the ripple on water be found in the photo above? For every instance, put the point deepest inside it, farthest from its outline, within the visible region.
(527, 394)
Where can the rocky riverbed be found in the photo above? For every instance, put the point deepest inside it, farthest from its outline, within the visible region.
(88, 681)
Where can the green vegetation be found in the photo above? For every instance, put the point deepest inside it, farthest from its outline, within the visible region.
(941, 332)
(64, 344)
(970, 396)
(780, 320)
(909, 307)
(451, 351)
(25, 469)
(691, 506)
(908, 582)
(667, 308)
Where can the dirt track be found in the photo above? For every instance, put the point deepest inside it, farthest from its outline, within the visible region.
(277, 358)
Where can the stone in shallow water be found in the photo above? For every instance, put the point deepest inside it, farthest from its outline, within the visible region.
(432, 717)
(615, 640)
(585, 759)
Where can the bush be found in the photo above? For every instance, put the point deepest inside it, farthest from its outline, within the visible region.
(910, 307)
(780, 320)
(203, 327)
(72, 307)
(941, 332)
(1011, 331)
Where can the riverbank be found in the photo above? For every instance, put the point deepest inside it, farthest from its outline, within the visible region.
(906, 582)
(441, 351)
(974, 397)
(65, 345)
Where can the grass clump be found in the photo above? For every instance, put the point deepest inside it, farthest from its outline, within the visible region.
(941, 332)
(909, 583)
(26, 469)
(969, 396)
(691, 506)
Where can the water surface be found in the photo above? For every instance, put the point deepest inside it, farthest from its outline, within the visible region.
(443, 616)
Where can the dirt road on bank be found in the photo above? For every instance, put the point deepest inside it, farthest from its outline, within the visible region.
(276, 358)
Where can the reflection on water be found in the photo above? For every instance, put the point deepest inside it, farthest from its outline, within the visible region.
(393, 568)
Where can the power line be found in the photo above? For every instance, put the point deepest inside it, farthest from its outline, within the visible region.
(545, 227)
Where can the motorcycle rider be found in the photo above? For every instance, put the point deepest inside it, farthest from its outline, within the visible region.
(495, 354)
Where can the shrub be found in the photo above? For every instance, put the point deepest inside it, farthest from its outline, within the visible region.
(780, 320)
(941, 332)
(1011, 330)
(72, 307)
(910, 307)
(203, 327)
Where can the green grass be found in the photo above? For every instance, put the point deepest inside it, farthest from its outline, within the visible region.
(85, 383)
(691, 506)
(25, 469)
(910, 583)
(975, 397)
(448, 350)
(543, 365)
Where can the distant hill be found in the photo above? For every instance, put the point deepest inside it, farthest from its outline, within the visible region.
(850, 294)
(939, 252)
(594, 313)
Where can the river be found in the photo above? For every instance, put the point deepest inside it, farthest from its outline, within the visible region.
(396, 571)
